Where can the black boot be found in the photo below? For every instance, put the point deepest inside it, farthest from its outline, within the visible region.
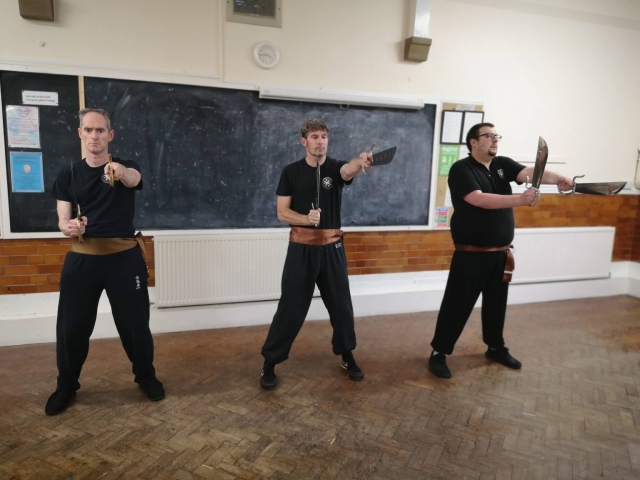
(268, 379)
(59, 401)
(502, 356)
(153, 389)
(350, 365)
(438, 365)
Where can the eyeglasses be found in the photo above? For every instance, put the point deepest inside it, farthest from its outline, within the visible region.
(491, 136)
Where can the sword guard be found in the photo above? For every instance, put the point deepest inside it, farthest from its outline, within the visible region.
(527, 185)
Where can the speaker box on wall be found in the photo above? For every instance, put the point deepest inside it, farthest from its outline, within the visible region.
(36, 9)
(416, 49)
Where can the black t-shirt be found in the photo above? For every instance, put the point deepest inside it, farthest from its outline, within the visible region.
(298, 181)
(480, 226)
(109, 210)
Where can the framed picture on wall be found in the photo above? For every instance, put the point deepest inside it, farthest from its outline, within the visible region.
(451, 126)
(456, 124)
(470, 119)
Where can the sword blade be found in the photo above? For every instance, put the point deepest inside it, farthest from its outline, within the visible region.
(541, 162)
(384, 158)
(75, 198)
(603, 188)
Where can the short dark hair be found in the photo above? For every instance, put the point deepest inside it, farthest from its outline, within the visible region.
(313, 125)
(99, 111)
(473, 132)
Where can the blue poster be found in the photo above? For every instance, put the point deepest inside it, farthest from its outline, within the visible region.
(26, 172)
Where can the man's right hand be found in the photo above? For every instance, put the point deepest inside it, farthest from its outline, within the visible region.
(528, 197)
(314, 216)
(72, 227)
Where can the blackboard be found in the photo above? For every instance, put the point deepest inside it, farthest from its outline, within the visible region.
(212, 157)
(36, 212)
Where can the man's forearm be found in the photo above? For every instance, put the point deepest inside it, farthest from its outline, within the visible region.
(491, 201)
(131, 177)
(63, 225)
(291, 217)
(550, 178)
(353, 168)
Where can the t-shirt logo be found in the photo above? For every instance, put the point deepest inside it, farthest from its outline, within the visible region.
(105, 178)
(327, 183)
(501, 173)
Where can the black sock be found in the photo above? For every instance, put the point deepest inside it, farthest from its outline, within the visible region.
(347, 356)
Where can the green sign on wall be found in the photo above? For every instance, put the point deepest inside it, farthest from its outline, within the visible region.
(448, 155)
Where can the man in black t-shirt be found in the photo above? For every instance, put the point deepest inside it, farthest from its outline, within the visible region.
(309, 199)
(108, 258)
(482, 227)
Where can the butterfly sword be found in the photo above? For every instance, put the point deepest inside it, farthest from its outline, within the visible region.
(381, 158)
(79, 215)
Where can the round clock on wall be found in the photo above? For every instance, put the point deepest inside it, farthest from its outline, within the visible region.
(266, 54)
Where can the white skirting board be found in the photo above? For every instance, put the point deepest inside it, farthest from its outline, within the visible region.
(26, 319)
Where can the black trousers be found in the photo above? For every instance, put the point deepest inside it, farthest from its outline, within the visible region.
(306, 266)
(124, 276)
(473, 273)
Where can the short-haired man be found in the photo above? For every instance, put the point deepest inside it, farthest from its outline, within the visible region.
(309, 199)
(482, 227)
(109, 258)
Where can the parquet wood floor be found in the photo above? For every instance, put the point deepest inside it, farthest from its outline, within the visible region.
(573, 411)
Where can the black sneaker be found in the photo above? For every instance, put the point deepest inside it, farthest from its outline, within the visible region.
(59, 401)
(268, 379)
(153, 388)
(503, 357)
(438, 365)
(352, 368)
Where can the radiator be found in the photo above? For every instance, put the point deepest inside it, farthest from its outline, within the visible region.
(232, 268)
(562, 254)
(210, 269)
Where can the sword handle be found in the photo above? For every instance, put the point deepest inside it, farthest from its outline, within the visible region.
(537, 198)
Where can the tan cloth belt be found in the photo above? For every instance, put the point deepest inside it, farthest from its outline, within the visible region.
(140, 240)
(313, 236)
(102, 246)
(509, 266)
(107, 246)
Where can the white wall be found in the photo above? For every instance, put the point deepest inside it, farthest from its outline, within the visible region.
(564, 69)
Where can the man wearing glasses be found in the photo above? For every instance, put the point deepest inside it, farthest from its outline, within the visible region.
(482, 227)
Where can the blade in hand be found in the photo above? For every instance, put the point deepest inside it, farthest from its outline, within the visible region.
(384, 158)
(603, 188)
(541, 162)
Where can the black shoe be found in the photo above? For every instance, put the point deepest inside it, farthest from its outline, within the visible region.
(438, 365)
(59, 401)
(503, 357)
(153, 388)
(268, 379)
(352, 368)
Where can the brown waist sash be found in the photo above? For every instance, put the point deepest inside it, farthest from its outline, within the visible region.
(107, 246)
(509, 267)
(313, 236)
(102, 246)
